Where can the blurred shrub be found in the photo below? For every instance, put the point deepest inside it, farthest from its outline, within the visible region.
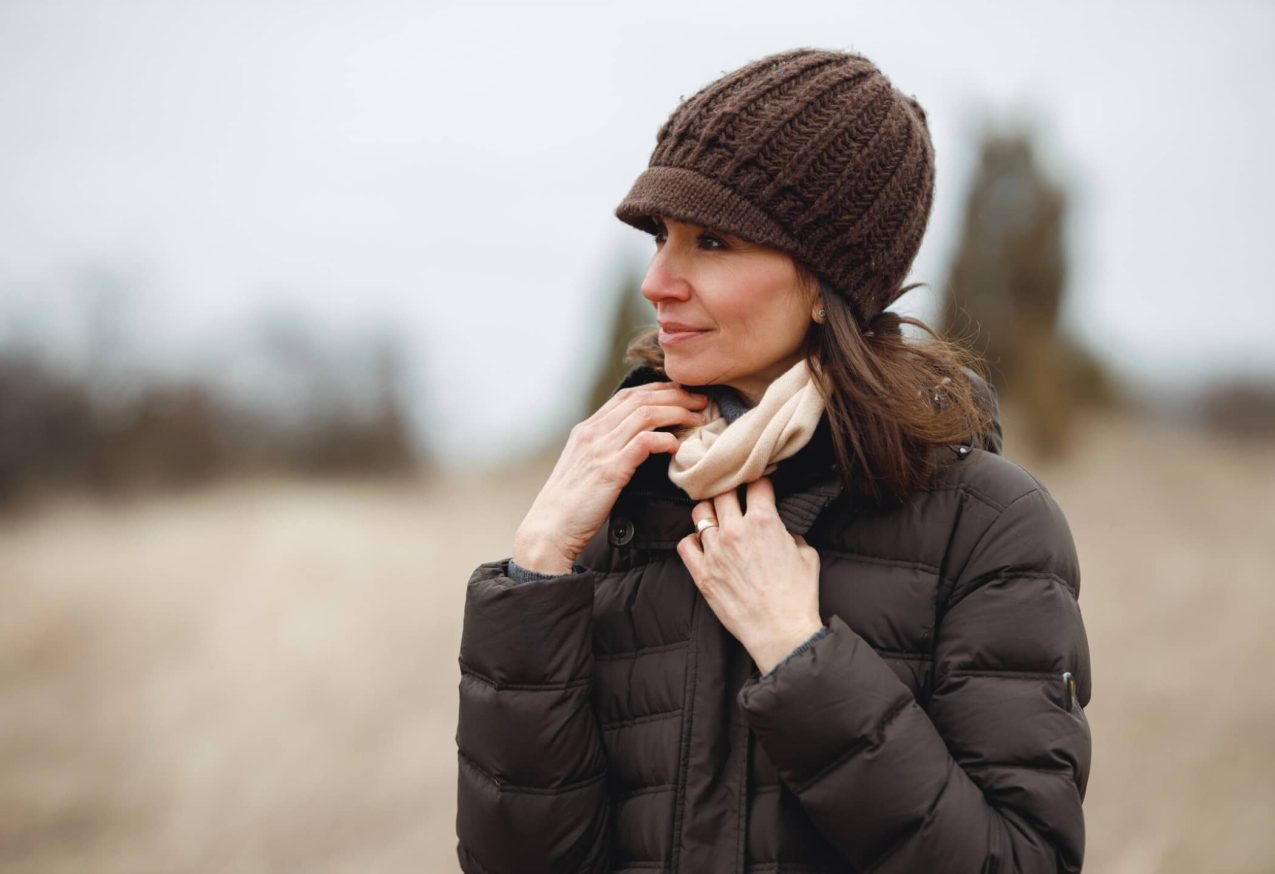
(57, 429)
(48, 427)
(1241, 407)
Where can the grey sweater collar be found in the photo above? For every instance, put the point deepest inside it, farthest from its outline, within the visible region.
(730, 402)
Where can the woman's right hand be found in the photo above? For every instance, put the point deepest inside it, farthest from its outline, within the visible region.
(599, 459)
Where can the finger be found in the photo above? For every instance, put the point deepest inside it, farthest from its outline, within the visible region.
(692, 554)
(727, 506)
(623, 402)
(652, 417)
(667, 394)
(694, 409)
(645, 444)
(662, 392)
(703, 510)
(624, 394)
(761, 493)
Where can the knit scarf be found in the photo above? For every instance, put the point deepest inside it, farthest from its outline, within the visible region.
(727, 451)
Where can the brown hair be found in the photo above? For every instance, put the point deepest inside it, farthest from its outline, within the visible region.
(889, 399)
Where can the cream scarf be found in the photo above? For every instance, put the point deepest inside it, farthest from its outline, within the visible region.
(721, 455)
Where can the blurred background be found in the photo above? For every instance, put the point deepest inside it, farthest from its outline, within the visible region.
(298, 301)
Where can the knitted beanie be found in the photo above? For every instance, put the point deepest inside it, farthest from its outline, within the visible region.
(810, 151)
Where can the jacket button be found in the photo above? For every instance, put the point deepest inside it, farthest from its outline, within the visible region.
(621, 531)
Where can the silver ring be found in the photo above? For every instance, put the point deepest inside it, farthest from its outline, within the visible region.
(704, 524)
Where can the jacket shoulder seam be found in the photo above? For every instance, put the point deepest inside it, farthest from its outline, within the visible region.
(992, 524)
(961, 486)
(1002, 479)
(983, 497)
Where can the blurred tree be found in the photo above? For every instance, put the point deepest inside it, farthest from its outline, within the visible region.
(631, 313)
(1009, 279)
(171, 435)
(357, 434)
(332, 404)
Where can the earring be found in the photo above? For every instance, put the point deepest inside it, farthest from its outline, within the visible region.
(822, 314)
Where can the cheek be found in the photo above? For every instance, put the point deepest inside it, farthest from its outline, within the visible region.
(775, 322)
(760, 308)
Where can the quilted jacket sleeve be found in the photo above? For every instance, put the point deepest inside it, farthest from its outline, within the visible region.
(990, 775)
(532, 793)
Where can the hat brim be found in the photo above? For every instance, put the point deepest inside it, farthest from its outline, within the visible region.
(684, 195)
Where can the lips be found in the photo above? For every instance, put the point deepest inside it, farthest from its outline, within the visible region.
(672, 333)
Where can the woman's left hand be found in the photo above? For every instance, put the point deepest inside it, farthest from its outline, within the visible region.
(760, 580)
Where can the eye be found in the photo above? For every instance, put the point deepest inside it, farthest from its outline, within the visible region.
(712, 242)
(707, 240)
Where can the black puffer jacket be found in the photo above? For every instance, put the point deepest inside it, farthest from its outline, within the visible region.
(608, 722)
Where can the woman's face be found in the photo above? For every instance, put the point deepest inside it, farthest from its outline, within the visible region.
(743, 304)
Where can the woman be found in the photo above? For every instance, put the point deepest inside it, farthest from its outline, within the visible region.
(781, 605)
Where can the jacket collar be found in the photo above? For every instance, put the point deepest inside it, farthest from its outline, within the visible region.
(652, 512)
(658, 512)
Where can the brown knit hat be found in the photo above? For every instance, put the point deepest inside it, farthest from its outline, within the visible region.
(809, 151)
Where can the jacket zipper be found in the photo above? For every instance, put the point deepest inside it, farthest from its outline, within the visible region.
(1069, 690)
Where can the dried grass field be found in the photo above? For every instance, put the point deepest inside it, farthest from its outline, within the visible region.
(262, 676)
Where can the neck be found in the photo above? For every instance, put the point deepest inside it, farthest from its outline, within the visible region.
(734, 449)
(751, 388)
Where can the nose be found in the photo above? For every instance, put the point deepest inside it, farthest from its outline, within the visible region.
(664, 281)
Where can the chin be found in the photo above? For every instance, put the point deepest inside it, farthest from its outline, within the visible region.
(686, 372)
(678, 371)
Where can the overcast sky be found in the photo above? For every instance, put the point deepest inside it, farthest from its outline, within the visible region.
(450, 171)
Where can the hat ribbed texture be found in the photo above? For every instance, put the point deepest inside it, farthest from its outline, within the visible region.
(810, 151)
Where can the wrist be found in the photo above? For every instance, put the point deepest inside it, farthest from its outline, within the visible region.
(541, 556)
(771, 653)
